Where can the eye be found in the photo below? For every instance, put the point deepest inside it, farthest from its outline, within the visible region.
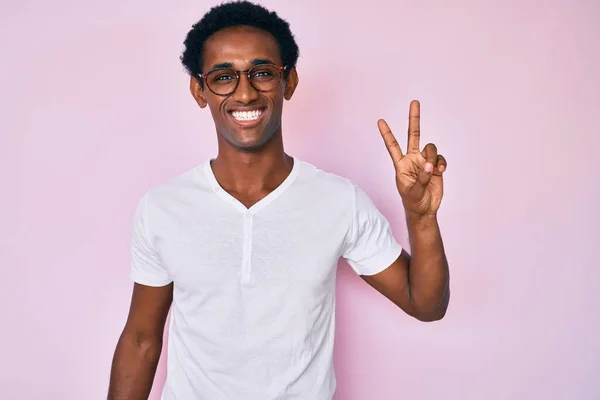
(224, 77)
(262, 74)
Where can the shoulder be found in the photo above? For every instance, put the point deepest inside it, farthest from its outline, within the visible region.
(318, 181)
(312, 175)
(345, 192)
(182, 188)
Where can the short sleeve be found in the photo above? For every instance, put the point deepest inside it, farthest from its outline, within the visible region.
(146, 266)
(370, 246)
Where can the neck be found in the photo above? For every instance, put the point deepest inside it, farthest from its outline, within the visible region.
(249, 172)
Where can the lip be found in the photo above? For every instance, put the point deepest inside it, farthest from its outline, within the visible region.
(247, 124)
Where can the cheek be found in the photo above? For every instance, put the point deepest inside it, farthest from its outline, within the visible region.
(277, 100)
(215, 110)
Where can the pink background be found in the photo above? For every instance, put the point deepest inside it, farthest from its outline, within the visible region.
(95, 110)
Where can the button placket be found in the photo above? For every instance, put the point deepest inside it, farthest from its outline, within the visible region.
(247, 249)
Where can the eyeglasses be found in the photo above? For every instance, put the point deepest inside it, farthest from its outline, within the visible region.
(224, 81)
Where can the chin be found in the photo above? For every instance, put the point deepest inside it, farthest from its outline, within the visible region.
(248, 143)
(249, 140)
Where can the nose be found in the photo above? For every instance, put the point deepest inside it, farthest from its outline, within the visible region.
(245, 92)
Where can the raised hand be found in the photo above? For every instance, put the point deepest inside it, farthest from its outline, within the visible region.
(418, 173)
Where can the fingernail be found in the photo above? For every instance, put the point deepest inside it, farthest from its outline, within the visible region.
(428, 167)
(442, 168)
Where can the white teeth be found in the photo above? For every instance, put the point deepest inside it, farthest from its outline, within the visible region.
(246, 115)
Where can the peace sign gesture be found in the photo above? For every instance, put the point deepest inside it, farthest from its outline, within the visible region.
(418, 173)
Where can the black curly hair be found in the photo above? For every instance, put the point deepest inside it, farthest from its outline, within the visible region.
(237, 13)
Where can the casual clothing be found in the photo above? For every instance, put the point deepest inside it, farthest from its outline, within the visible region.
(253, 309)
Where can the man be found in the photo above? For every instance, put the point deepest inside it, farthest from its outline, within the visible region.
(243, 249)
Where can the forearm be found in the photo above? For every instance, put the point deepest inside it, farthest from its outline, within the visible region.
(428, 273)
(133, 368)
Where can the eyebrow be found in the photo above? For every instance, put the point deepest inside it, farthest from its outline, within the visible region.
(222, 65)
(261, 61)
(256, 61)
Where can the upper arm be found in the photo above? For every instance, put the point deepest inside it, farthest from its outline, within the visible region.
(153, 288)
(148, 311)
(147, 267)
(374, 254)
(393, 283)
(370, 246)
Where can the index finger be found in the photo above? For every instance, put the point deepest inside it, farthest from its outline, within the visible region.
(414, 127)
(390, 141)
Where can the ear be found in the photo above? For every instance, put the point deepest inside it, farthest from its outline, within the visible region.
(197, 91)
(291, 83)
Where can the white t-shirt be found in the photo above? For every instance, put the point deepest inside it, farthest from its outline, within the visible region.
(253, 309)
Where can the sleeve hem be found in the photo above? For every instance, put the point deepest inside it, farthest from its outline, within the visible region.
(378, 263)
(148, 281)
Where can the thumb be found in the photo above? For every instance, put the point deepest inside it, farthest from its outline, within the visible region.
(430, 154)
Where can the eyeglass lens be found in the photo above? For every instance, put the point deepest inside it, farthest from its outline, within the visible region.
(262, 77)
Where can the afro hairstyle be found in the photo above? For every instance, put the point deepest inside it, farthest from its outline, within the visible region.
(232, 14)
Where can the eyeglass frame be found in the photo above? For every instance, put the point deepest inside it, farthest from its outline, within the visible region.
(238, 74)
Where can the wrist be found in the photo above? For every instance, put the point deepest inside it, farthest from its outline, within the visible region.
(421, 220)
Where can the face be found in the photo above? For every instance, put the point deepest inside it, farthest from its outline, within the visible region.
(246, 119)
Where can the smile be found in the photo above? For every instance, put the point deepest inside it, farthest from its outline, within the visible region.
(251, 115)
